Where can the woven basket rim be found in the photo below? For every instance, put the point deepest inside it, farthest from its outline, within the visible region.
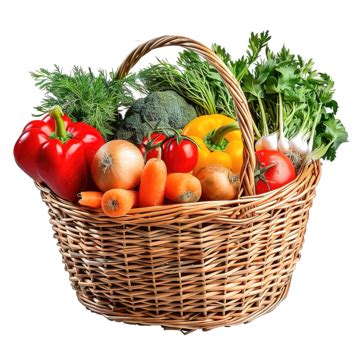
(244, 201)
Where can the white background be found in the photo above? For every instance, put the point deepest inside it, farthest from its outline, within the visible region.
(40, 316)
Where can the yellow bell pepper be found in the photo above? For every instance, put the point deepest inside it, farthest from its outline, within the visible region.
(219, 140)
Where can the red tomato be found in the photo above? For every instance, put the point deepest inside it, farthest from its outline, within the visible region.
(274, 170)
(180, 157)
(154, 151)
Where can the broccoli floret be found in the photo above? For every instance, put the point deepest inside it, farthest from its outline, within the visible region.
(165, 108)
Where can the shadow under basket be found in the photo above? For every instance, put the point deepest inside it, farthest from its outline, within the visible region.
(188, 266)
(192, 266)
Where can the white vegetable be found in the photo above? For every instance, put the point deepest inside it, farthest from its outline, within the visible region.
(283, 144)
(270, 142)
(299, 145)
(259, 145)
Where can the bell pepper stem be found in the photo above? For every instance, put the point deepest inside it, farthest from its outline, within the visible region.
(219, 134)
(57, 114)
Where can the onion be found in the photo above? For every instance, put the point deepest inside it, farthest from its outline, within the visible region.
(118, 164)
(218, 183)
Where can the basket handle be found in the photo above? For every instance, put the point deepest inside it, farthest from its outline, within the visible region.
(241, 107)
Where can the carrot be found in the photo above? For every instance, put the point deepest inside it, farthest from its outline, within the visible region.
(91, 199)
(182, 188)
(152, 184)
(118, 202)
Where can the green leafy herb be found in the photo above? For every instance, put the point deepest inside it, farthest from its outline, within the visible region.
(307, 107)
(198, 81)
(85, 96)
(193, 79)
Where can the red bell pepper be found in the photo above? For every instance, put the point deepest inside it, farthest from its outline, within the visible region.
(59, 152)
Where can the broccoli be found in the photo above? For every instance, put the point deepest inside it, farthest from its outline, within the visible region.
(165, 108)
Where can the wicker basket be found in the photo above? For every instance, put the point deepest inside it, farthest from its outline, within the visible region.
(188, 266)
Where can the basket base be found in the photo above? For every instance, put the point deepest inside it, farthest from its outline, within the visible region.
(184, 325)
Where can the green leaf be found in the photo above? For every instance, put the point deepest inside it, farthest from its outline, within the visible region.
(332, 132)
(285, 57)
(256, 43)
(238, 68)
(336, 131)
(333, 105)
(222, 54)
(252, 86)
(263, 70)
(271, 85)
(295, 94)
(288, 77)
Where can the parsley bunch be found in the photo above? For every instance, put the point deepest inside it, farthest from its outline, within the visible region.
(308, 107)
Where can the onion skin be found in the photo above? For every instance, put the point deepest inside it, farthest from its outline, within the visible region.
(218, 183)
(118, 164)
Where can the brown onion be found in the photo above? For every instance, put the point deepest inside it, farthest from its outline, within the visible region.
(118, 164)
(218, 183)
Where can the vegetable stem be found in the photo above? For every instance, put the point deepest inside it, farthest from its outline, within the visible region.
(256, 131)
(57, 114)
(218, 136)
(263, 117)
(281, 122)
(312, 135)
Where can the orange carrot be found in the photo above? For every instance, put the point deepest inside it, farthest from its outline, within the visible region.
(118, 202)
(91, 199)
(182, 188)
(152, 184)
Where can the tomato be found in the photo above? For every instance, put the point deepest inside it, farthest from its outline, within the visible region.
(273, 170)
(148, 146)
(180, 157)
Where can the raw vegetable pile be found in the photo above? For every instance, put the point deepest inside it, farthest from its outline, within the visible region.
(180, 142)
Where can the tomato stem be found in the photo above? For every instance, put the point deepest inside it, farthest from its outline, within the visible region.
(259, 173)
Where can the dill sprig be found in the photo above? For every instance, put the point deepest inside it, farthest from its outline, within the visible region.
(198, 81)
(85, 96)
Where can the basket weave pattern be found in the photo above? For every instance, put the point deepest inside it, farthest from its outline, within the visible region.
(202, 265)
(188, 266)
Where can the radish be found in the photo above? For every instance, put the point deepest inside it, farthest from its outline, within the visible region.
(270, 142)
(298, 144)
